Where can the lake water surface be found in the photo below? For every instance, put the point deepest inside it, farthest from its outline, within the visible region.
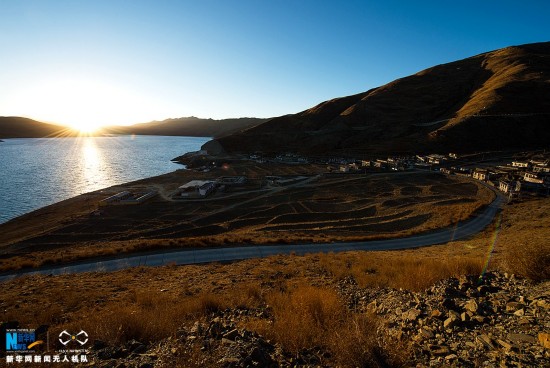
(36, 172)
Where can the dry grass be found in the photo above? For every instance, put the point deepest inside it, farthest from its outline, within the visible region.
(316, 319)
(304, 309)
(524, 239)
(402, 270)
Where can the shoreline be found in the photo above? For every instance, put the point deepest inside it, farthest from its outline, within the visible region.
(34, 179)
(78, 212)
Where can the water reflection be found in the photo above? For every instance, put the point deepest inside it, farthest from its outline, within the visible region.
(93, 170)
(38, 172)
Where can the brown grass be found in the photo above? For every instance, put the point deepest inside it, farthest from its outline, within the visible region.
(314, 318)
(525, 239)
(402, 270)
(304, 308)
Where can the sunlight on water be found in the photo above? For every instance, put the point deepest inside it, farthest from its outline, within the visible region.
(38, 172)
(94, 171)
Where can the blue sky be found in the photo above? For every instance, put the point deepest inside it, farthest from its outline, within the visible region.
(134, 61)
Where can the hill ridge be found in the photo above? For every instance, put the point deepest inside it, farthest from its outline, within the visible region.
(493, 100)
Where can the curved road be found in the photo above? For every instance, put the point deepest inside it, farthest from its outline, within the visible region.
(195, 256)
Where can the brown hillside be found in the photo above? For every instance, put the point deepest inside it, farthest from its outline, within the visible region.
(495, 100)
(17, 127)
(188, 126)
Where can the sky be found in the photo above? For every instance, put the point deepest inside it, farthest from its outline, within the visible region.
(85, 63)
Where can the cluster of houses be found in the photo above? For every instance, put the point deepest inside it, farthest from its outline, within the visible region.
(520, 177)
(397, 163)
(203, 188)
(530, 176)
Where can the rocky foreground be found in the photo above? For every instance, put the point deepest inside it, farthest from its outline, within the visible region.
(497, 320)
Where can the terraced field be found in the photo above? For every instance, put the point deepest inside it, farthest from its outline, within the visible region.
(321, 208)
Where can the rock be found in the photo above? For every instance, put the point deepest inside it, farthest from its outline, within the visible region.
(439, 350)
(451, 357)
(486, 341)
(450, 322)
(215, 329)
(472, 306)
(227, 341)
(464, 317)
(479, 319)
(453, 314)
(544, 339)
(519, 312)
(196, 329)
(519, 337)
(426, 332)
(514, 306)
(411, 315)
(135, 346)
(231, 335)
(504, 344)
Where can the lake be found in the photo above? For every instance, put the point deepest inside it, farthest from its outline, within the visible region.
(36, 172)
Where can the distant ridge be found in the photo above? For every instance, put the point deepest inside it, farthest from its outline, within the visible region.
(17, 127)
(495, 100)
(188, 126)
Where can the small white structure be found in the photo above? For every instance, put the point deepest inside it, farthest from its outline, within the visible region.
(533, 178)
(520, 164)
(481, 174)
(196, 188)
(507, 186)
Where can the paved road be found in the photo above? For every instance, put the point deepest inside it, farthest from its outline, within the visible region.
(462, 230)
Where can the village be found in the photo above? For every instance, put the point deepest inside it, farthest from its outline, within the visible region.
(514, 175)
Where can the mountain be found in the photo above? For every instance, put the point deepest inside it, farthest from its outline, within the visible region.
(17, 127)
(496, 100)
(189, 126)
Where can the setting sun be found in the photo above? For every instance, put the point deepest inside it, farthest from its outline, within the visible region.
(83, 104)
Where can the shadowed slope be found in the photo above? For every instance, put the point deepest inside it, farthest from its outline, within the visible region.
(17, 127)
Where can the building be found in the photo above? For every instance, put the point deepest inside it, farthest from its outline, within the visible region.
(507, 186)
(207, 188)
(481, 174)
(196, 188)
(537, 178)
(381, 164)
(542, 168)
(521, 164)
(435, 159)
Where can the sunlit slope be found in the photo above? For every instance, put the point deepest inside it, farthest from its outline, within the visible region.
(495, 100)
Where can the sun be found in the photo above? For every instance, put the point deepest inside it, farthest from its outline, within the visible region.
(83, 104)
